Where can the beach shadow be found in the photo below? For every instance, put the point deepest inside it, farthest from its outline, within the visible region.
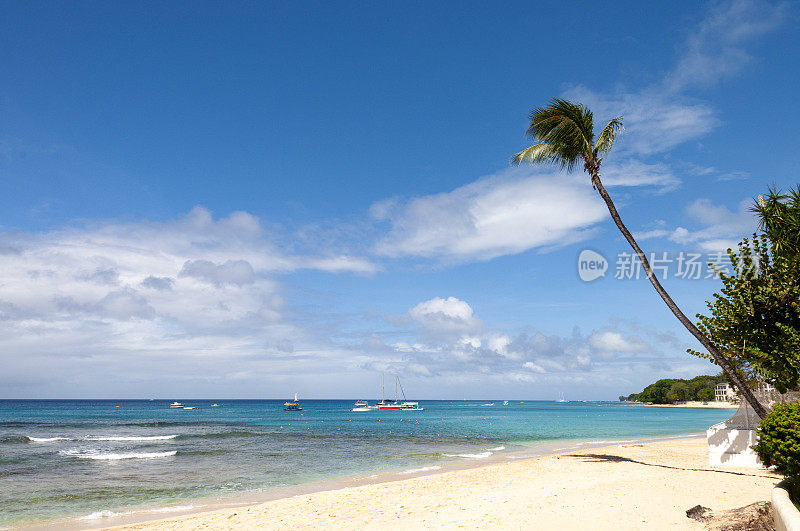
(597, 458)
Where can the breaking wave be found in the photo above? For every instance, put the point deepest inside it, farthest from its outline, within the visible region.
(131, 438)
(116, 456)
(423, 469)
(482, 455)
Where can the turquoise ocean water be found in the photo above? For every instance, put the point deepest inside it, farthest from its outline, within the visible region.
(88, 458)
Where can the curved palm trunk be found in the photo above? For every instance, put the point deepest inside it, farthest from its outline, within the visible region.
(727, 368)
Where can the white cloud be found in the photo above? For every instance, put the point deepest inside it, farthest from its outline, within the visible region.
(516, 210)
(720, 228)
(158, 283)
(715, 49)
(124, 294)
(636, 173)
(453, 342)
(533, 367)
(662, 116)
(236, 272)
(438, 310)
(614, 342)
(655, 121)
(521, 209)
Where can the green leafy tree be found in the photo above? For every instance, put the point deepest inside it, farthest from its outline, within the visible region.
(671, 390)
(705, 395)
(657, 392)
(678, 392)
(564, 135)
(755, 319)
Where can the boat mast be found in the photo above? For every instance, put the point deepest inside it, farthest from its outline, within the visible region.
(395, 387)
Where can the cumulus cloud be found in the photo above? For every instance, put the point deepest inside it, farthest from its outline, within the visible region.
(451, 341)
(124, 294)
(439, 312)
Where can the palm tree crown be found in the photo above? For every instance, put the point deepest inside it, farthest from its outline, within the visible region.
(565, 132)
(779, 217)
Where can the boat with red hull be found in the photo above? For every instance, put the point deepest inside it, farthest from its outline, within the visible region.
(387, 404)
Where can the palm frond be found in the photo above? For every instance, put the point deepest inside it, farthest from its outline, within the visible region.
(779, 218)
(607, 136)
(565, 129)
(562, 122)
(543, 152)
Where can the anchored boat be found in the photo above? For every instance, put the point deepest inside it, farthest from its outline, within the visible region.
(292, 406)
(389, 404)
(361, 406)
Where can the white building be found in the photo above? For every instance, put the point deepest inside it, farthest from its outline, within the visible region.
(723, 392)
(765, 387)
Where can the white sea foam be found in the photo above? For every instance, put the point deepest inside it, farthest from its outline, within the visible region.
(121, 438)
(111, 514)
(423, 469)
(174, 509)
(482, 455)
(498, 449)
(116, 457)
(131, 438)
(100, 514)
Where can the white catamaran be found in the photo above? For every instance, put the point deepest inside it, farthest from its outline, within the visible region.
(389, 404)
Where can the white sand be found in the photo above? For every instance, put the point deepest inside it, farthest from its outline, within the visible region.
(600, 488)
(698, 405)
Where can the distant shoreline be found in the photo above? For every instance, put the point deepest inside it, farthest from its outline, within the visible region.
(698, 405)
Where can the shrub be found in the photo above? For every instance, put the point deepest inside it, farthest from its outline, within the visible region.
(779, 439)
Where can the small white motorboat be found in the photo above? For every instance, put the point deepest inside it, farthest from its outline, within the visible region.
(176, 404)
(361, 406)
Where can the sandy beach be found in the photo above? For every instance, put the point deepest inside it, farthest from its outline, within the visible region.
(624, 486)
(698, 405)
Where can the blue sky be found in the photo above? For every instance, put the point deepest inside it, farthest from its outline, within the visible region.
(252, 199)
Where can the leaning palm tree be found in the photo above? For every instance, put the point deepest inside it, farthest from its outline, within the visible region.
(565, 135)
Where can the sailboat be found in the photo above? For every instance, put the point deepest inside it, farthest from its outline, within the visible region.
(292, 406)
(561, 398)
(389, 404)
